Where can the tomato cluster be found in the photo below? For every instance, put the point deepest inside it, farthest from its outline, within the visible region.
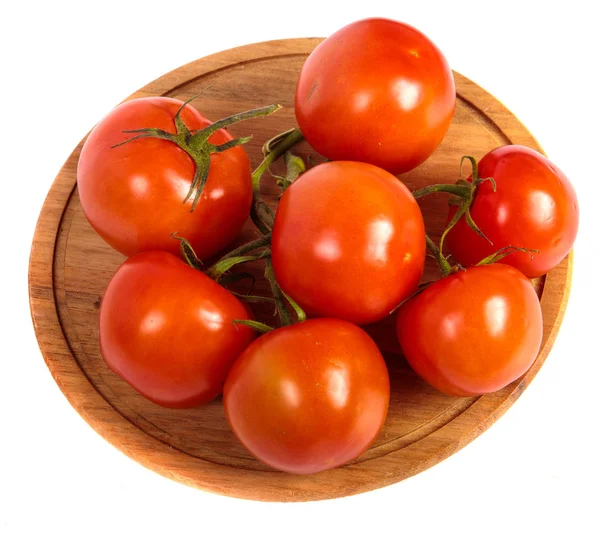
(345, 247)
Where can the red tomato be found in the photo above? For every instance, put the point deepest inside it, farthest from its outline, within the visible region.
(167, 330)
(348, 242)
(534, 207)
(473, 332)
(376, 91)
(133, 194)
(308, 397)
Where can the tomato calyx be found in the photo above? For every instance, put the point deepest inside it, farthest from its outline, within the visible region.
(448, 269)
(463, 194)
(196, 143)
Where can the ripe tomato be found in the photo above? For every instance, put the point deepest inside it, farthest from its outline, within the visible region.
(534, 207)
(133, 194)
(473, 332)
(308, 397)
(376, 91)
(167, 330)
(348, 242)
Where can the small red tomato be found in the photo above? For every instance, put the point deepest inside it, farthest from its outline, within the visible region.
(473, 332)
(167, 330)
(308, 397)
(348, 242)
(377, 91)
(534, 207)
(133, 194)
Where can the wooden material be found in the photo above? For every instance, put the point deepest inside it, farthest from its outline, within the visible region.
(70, 266)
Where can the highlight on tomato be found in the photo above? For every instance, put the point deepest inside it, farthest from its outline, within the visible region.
(472, 332)
(526, 201)
(309, 396)
(377, 91)
(348, 241)
(167, 330)
(154, 166)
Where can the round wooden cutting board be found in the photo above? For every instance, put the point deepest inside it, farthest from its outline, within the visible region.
(70, 267)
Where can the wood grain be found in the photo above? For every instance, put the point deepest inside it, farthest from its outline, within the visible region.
(70, 266)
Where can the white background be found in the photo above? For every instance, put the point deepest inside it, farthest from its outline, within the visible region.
(63, 66)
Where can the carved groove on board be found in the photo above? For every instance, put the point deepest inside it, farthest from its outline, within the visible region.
(480, 116)
(179, 87)
(414, 435)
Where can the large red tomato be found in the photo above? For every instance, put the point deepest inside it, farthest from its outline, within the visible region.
(348, 242)
(473, 332)
(308, 397)
(133, 194)
(167, 329)
(534, 207)
(377, 91)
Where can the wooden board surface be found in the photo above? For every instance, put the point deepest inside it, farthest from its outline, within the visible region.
(70, 267)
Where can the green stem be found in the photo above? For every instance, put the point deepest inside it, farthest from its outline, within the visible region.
(253, 298)
(284, 315)
(187, 251)
(464, 195)
(295, 167)
(462, 210)
(262, 212)
(273, 149)
(505, 251)
(236, 118)
(445, 266)
(459, 190)
(221, 267)
(257, 325)
(300, 314)
(247, 247)
(231, 278)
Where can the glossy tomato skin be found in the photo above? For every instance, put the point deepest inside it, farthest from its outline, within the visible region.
(348, 242)
(534, 207)
(308, 397)
(133, 194)
(377, 91)
(167, 330)
(473, 332)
